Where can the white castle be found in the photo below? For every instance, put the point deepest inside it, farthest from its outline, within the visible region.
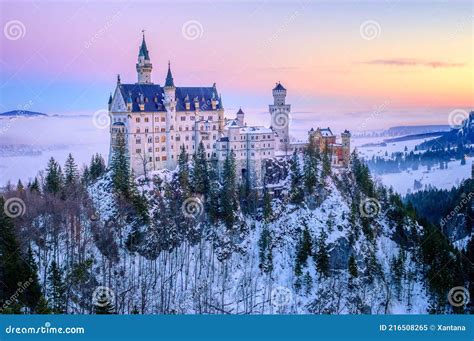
(157, 120)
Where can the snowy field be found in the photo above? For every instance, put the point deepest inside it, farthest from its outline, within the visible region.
(403, 182)
(27, 143)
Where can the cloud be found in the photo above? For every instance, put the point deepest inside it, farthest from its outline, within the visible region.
(413, 62)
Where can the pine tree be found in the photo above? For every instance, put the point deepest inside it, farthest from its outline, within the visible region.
(71, 174)
(183, 171)
(97, 167)
(322, 255)
(35, 186)
(296, 190)
(212, 200)
(326, 163)
(228, 192)
(56, 289)
(267, 205)
(32, 293)
(310, 168)
(120, 166)
(19, 186)
(303, 251)
(14, 269)
(54, 178)
(265, 250)
(200, 176)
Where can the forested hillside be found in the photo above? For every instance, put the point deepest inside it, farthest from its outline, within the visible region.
(312, 240)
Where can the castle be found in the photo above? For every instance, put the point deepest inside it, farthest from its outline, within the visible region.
(158, 120)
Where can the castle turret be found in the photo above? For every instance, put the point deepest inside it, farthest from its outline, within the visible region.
(280, 117)
(241, 117)
(144, 65)
(346, 147)
(169, 102)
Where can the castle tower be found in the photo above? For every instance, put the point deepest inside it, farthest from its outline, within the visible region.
(241, 117)
(144, 66)
(280, 117)
(346, 147)
(169, 102)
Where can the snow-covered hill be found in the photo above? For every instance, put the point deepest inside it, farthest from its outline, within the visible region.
(221, 273)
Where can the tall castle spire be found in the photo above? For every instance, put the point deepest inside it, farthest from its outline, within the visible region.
(144, 65)
(169, 77)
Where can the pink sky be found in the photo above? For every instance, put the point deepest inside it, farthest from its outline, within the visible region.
(414, 60)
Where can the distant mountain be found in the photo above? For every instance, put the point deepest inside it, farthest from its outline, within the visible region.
(463, 135)
(405, 130)
(21, 113)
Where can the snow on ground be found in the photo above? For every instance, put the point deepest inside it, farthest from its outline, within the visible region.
(439, 178)
(403, 182)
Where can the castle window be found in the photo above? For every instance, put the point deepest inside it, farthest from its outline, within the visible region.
(214, 127)
(162, 118)
(209, 118)
(163, 149)
(208, 154)
(150, 150)
(138, 141)
(138, 151)
(157, 139)
(157, 150)
(137, 119)
(187, 138)
(138, 130)
(180, 128)
(208, 146)
(192, 118)
(186, 128)
(163, 139)
(183, 118)
(163, 130)
(163, 158)
(157, 158)
(150, 140)
(157, 130)
(178, 138)
(157, 119)
(146, 119)
(146, 130)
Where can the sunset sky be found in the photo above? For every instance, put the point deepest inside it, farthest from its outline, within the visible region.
(403, 62)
